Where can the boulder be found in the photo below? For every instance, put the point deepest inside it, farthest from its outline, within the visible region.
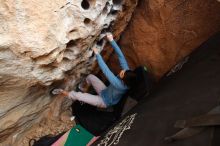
(44, 44)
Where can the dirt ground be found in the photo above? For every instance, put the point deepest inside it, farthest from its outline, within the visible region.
(49, 127)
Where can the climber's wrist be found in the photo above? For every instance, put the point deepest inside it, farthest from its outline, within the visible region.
(109, 37)
(96, 51)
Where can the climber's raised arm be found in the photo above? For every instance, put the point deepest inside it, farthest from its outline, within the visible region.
(116, 82)
(121, 57)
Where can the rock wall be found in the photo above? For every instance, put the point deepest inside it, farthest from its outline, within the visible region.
(162, 32)
(45, 43)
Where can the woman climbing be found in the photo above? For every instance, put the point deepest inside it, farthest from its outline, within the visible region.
(107, 96)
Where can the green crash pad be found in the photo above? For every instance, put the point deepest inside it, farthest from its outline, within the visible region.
(78, 136)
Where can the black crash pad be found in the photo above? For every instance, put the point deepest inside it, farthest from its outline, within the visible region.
(192, 91)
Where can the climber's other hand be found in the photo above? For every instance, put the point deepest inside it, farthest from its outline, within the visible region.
(96, 51)
(109, 36)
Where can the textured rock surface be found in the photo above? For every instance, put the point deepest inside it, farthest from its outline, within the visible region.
(161, 32)
(42, 42)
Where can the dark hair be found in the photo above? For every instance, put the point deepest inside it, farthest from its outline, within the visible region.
(130, 78)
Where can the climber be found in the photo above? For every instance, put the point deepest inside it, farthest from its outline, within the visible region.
(107, 96)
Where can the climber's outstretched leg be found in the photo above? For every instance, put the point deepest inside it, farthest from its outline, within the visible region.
(94, 100)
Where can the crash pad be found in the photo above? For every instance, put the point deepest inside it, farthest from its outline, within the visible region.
(78, 136)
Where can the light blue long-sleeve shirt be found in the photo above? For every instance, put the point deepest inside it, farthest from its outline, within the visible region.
(115, 91)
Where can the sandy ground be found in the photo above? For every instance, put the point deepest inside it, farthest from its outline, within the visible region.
(48, 127)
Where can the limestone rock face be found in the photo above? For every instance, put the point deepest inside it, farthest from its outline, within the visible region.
(44, 41)
(162, 32)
